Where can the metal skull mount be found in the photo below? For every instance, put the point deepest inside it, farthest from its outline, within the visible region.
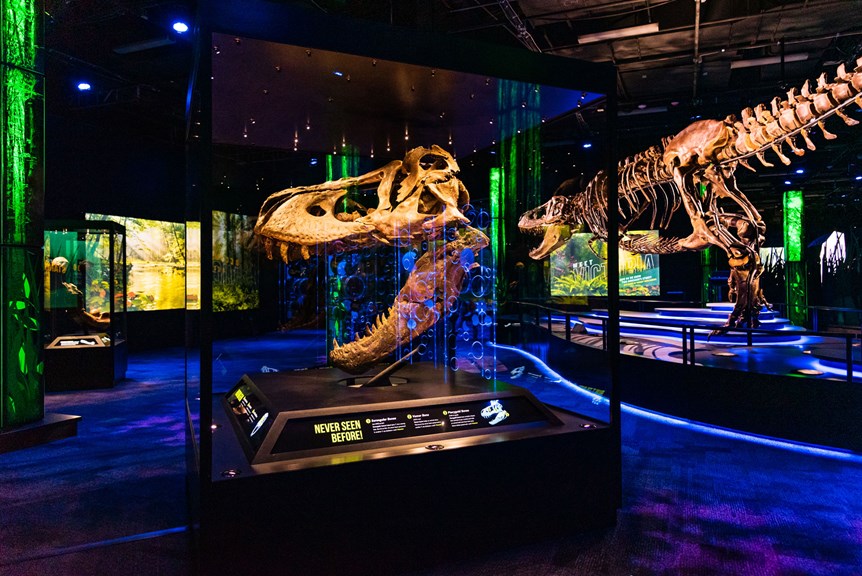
(418, 198)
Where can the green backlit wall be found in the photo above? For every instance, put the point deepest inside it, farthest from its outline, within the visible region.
(518, 184)
(21, 223)
(343, 165)
(794, 270)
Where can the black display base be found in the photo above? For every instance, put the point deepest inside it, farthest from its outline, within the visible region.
(49, 429)
(381, 506)
(84, 367)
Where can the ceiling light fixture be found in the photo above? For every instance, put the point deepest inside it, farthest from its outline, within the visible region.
(650, 28)
(766, 61)
(180, 27)
(84, 86)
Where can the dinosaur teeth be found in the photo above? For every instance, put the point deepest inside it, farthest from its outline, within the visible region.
(367, 330)
(335, 345)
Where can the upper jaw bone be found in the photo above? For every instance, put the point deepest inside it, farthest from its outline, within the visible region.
(293, 222)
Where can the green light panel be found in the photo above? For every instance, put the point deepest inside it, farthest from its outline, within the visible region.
(793, 210)
(21, 110)
(338, 166)
(520, 122)
(795, 269)
(707, 265)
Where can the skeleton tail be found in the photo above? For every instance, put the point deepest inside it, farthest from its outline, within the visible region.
(763, 128)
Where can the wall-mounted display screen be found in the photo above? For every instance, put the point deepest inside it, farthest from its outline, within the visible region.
(577, 269)
(163, 261)
(235, 262)
(156, 262)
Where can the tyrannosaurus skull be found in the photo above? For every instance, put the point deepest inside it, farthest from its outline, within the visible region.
(417, 199)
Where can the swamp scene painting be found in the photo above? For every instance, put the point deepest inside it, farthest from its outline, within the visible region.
(580, 269)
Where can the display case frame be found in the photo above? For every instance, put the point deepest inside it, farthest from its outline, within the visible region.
(84, 329)
(221, 492)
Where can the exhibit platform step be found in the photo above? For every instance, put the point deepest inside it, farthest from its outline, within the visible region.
(668, 322)
(50, 428)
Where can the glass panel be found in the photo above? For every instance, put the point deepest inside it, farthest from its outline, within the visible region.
(391, 224)
(84, 323)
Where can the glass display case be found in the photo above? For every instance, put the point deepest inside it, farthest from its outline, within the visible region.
(389, 179)
(84, 326)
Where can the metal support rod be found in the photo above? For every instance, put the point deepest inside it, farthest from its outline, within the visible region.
(749, 337)
(684, 345)
(604, 334)
(691, 344)
(848, 350)
(549, 321)
(568, 327)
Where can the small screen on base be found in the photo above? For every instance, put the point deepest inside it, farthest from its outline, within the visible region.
(251, 414)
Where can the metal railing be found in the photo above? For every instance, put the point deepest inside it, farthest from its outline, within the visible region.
(686, 331)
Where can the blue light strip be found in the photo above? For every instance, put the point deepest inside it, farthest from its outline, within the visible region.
(810, 449)
(100, 544)
(828, 368)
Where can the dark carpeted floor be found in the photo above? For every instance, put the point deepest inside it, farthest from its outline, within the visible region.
(112, 500)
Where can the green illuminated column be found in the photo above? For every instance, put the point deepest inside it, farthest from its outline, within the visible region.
(707, 266)
(338, 166)
(519, 177)
(794, 269)
(21, 219)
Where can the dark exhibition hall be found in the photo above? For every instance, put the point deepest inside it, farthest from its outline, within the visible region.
(431, 288)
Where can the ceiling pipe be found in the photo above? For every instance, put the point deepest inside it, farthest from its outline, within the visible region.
(697, 4)
(520, 27)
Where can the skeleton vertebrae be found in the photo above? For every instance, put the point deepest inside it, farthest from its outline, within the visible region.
(695, 169)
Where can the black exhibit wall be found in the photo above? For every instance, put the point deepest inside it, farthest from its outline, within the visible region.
(94, 166)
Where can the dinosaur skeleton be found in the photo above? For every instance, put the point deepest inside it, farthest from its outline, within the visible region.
(418, 199)
(695, 170)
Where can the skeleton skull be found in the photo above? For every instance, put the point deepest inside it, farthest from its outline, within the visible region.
(59, 265)
(417, 199)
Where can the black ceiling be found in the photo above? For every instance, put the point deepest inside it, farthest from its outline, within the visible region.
(139, 68)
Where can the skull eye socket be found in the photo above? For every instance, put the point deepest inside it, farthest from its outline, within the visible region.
(432, 161)
(316, 210)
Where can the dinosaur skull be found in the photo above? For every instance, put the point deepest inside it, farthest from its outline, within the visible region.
(417, 199)
(549, 220)
(59, 265)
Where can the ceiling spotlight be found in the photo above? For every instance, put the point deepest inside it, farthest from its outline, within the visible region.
(588, 145)
(800, 170)
(859, 178)
(84, 86)
(787, 182)
(180, 27)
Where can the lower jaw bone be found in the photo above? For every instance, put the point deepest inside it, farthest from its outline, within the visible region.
(429, 292)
